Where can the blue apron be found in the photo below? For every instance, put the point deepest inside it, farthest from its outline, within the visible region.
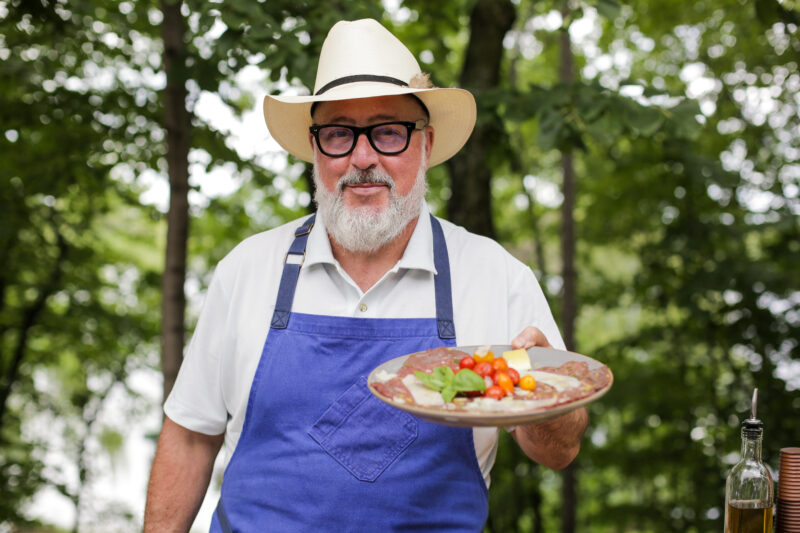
(318, 452)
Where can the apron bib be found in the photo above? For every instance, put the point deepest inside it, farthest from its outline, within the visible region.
(318, 452)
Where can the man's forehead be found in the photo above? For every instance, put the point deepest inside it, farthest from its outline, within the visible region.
(391, 107)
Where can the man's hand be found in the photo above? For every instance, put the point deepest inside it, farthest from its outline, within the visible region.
(530, 337)
(556, 442)
(179, 478)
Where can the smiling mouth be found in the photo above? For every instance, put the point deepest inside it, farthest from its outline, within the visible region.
(366, 189)
(366, 185)
(364, 180)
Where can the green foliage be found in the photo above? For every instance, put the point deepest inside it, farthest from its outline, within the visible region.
(570, 116)
(684, 281)
(75, 304)
(20, 469)
(281, 37)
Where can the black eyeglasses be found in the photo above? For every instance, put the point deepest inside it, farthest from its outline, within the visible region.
(387, 138)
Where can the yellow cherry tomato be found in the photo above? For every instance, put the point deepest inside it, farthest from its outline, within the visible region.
(527, 382)
(483, 355)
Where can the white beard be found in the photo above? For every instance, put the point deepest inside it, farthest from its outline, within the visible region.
(366, 229)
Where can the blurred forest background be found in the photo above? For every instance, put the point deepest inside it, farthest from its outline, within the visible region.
(642, 157)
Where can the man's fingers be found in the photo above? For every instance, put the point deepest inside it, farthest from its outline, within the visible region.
(529, 337)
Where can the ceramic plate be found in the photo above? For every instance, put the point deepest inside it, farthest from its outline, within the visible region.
(539, 357)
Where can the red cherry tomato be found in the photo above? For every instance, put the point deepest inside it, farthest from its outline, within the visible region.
(502, 380)
(466, 362)
(514, 375)
(494, 392)
(483, 369)
(500, 364)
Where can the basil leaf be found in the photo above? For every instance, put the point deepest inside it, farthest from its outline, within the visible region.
(449, 383)
(444, 374)
(429, 380)
(448, 393)
(468, 380)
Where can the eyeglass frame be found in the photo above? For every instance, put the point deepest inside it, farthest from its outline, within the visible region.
(411, 127)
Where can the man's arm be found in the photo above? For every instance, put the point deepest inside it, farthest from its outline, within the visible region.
(553, 443)
(179, 478)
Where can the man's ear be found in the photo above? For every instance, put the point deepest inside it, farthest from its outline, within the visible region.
(429, 140)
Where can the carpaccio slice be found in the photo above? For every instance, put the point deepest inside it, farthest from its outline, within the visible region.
(567, 383)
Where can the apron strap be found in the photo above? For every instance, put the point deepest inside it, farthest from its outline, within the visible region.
(291, 271)
(296, 256)
(444, 296)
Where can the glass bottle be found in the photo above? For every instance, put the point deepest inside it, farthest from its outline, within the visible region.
(749, 489)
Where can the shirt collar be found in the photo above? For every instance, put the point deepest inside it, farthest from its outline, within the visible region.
(418, 253)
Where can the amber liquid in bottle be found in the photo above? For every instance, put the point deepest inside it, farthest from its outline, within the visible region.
(746, 517)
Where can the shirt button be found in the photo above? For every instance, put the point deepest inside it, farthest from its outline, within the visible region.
(362, 307)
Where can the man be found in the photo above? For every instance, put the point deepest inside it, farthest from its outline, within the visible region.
(296, 317)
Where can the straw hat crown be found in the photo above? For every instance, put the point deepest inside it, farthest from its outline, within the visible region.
(362, 59)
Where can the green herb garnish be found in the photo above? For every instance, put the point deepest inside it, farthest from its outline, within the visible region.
(449, 383)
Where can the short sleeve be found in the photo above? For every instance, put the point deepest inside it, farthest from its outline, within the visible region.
(196, 401)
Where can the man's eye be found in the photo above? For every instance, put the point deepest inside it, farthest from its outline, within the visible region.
(336, 133)
(389, 131)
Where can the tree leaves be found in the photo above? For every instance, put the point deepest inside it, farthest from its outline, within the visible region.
(609, 9)
(570, 116)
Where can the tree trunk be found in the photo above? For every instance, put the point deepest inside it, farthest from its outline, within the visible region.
(177, 124)
(470, 204)
(570, 303)
(569, 474)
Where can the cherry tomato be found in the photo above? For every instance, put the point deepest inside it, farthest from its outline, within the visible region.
(502, 380)
(514, 375)
(466, 362)
(483, 369)
(494, 392)
(500, 364)
(527, 382)
(483, 355)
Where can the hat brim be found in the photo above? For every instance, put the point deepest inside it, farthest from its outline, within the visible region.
(452, 116)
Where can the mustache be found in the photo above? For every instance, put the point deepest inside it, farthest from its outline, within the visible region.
(364, 177)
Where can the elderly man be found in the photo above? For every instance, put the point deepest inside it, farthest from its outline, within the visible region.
(296, 317)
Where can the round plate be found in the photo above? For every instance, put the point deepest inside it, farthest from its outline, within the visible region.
(540, 357)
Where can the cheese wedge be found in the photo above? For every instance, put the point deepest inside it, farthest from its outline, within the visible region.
(517, 359)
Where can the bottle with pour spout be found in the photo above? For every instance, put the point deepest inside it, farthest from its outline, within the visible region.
(749, 490)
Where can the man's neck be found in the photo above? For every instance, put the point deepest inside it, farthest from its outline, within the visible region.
(367, 268)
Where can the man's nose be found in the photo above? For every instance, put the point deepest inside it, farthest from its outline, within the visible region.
(363, 155)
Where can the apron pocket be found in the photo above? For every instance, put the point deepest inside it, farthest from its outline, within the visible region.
(362, 433)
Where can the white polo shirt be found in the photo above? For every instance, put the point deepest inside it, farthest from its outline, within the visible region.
(495, 297)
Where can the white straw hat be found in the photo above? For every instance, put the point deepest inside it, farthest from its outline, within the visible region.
(362, 59)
